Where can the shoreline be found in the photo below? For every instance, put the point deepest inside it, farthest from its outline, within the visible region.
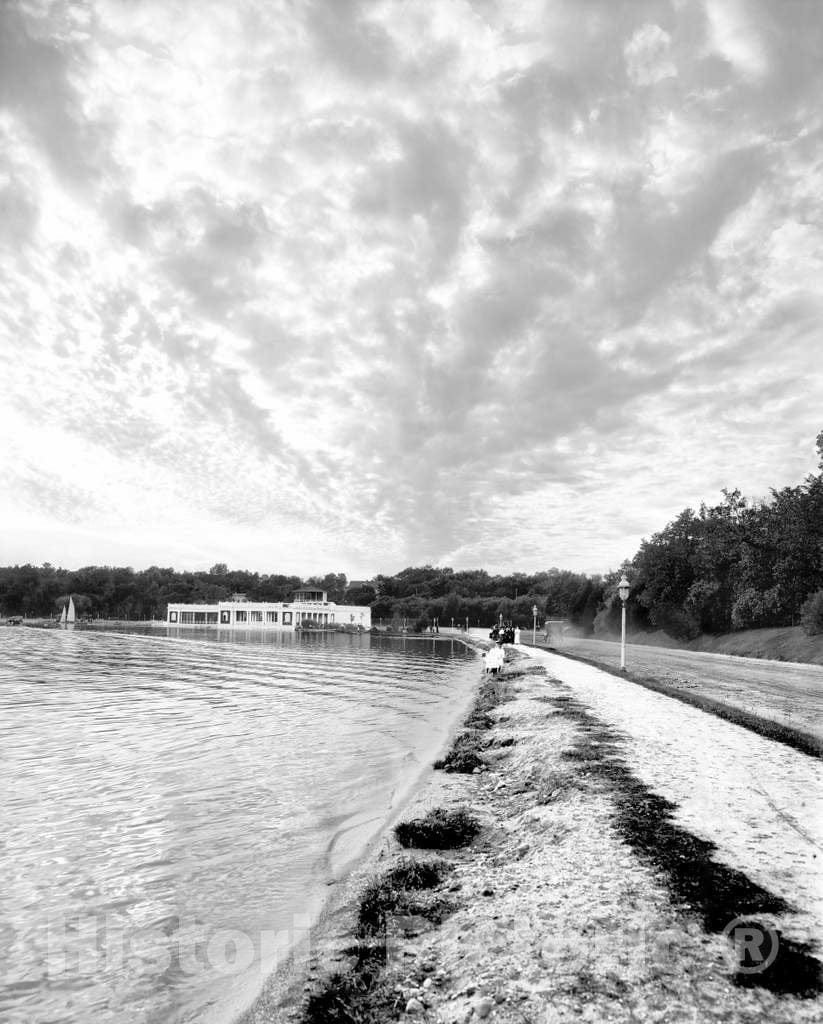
(583, 897)
(282, 989)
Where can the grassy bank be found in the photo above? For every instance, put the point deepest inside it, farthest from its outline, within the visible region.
(783, 643)
(786, 643)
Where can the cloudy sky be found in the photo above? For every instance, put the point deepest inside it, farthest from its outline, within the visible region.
(315, 285)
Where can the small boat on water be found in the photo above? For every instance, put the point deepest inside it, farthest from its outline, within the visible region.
(69, 615)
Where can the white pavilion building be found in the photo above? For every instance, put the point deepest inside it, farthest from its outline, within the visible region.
(308, 608)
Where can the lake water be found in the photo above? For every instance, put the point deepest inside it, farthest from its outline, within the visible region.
(175, 807)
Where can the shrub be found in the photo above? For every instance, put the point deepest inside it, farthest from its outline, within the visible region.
(439, 830)
(811, 614)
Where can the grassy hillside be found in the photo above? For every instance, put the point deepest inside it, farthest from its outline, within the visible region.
(786, 643)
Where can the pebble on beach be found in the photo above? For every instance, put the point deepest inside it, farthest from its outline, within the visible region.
(483, 1007)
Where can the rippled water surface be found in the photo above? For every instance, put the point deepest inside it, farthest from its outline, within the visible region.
(175, 807)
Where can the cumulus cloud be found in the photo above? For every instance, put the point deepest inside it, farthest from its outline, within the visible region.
(383, 283)
(648, 56)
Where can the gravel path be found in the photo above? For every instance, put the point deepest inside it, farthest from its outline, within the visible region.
(760, 802)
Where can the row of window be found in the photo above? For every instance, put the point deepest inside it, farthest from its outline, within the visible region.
(194, 617)
(254, 616)
(248, 616)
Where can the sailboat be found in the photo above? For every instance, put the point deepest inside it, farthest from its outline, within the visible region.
(70, 614)
(64, 615)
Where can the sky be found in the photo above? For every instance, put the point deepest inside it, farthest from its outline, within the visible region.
(349, 286)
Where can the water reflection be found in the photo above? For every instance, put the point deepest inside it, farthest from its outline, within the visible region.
(161, 792)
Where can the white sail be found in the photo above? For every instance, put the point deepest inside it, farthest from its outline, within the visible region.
(70, 615)
(63, 616)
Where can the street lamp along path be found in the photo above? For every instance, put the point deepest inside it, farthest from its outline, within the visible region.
(623, 588)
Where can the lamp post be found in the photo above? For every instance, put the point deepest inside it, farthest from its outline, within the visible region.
(534, 625)
(623, 588)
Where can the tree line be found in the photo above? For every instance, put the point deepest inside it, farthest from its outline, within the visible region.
(414, 596)
(115, 592)
(735, 565)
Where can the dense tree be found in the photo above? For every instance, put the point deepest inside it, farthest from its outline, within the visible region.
(735, 565)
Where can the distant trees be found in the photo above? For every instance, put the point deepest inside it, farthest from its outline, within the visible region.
(430, 592)
(118, 592)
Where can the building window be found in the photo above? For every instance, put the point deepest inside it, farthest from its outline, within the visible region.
(172, 616)
(240, 616)
(211, 617)
(271, 616)
(286, 618)
(256, 616)
(187, 617)
(199, 617)
(225, 616)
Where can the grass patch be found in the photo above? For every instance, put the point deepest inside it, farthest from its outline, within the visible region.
(352, 997)
(464, 755)
(492, 692)
(466, 752)
(389, 894)
(551, 786)
(440, 829)
(478, 720)
(526, 670)
(360, 994)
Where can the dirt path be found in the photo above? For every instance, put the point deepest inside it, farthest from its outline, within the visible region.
(759, 802)
(785, 692)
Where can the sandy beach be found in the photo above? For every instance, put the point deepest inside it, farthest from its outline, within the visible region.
(617, 858)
